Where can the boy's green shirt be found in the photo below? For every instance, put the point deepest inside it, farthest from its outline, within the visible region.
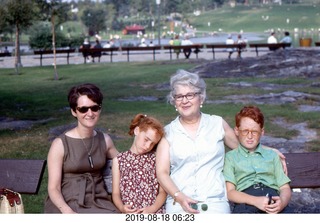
(244, 169)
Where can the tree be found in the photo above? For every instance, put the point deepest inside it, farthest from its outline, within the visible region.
(94, 19)
(56, 12)
(20, 14)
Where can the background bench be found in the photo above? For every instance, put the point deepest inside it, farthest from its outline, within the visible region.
(142, 50)
(98, 52)
(238, 47)
(5, 54)
(270, 46)
(45, 52)
(194, 47)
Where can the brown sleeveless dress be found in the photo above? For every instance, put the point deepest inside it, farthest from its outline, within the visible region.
(83, 187)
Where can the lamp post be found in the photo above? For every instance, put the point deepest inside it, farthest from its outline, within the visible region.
(158, 4)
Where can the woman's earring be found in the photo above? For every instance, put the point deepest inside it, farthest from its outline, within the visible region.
(176, 108)
(201, 106)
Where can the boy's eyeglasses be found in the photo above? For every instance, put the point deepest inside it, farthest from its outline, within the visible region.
(245, 132)
(85, 109)
(188, 96)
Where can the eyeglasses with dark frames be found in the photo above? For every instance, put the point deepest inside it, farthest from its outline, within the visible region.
(85, 109)
(188, 96)
(245, 132)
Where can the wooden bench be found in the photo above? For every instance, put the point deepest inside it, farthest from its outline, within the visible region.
(46, 52)
(304, 169)
(270, 46)
(238, 47)
(317, 43)
(7, 54)
(98, 52)
(22, 175)
(141, 50)
(194, 47)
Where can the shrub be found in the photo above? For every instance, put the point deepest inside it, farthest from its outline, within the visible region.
(41, 38)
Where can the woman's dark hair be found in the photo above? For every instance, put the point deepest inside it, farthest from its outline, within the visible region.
(91, 90)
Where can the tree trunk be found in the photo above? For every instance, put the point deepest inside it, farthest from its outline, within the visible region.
(56, 77)
(17, 63)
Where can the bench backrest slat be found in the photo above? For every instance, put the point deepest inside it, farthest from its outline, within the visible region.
(37, 52)
(304, 169)
(141, 48)
(23, 176)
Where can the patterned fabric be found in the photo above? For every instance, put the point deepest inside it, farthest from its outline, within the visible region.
(138, 183)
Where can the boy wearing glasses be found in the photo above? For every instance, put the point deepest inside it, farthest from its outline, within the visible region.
(254, 177)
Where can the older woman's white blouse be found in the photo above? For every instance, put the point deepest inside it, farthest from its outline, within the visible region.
(197, 164)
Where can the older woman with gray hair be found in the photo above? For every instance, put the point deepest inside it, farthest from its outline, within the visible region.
(190, 157)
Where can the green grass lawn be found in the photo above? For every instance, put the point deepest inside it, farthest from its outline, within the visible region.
(259, 18)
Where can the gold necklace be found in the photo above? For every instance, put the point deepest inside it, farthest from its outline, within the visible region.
(89, 152)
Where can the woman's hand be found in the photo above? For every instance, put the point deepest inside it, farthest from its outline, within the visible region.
(283, 161)
(185, 203)
(282, 158)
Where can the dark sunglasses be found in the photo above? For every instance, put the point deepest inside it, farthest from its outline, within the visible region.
(85, 109)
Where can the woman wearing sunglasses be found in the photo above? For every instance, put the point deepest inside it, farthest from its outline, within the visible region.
(76, 158)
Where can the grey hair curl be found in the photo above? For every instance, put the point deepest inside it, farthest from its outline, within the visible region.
(183, 77)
